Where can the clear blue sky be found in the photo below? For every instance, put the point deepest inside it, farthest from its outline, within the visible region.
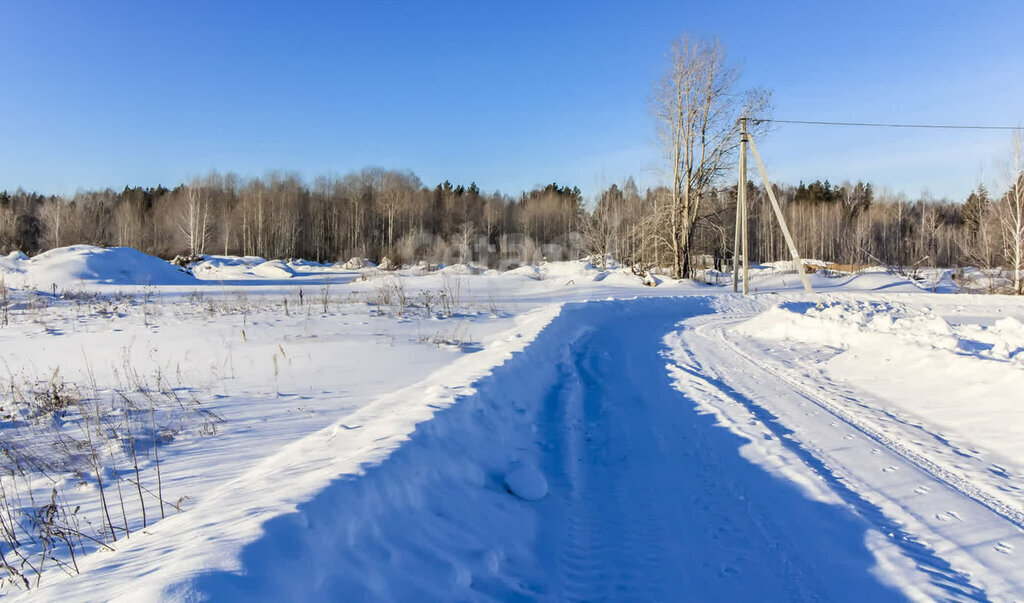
(509, 94)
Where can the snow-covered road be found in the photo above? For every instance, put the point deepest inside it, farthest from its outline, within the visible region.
(649, 497)
(658, 453)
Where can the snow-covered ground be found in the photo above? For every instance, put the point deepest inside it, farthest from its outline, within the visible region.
(551, 432)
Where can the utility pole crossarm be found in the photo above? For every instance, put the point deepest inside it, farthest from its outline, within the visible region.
(782, 220)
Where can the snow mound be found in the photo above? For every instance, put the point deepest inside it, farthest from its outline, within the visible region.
(273, 269)
(358, 264)
(527, 483)
(13, 263)
(66, 266)
(214, 267)
(840, 324)
(301, 263)
(651, 280)
(877, 281)
(530, 271)
(463, 269)
(844, 324)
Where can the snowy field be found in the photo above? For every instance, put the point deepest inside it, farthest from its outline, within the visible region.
(288, 430)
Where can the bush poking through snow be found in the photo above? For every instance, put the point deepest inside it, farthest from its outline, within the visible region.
(107, 441)
(390, 294)
(54, 399)
(187, 261)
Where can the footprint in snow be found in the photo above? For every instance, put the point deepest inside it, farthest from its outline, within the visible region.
(999, 471)
(922, 490)
(889, 469)
(728, 571)
(848, 436)
(876, 451)
(1003, 547)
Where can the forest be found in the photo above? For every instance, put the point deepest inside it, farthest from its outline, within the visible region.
(377, 213)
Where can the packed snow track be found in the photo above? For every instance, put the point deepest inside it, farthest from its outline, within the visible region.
(648, 498)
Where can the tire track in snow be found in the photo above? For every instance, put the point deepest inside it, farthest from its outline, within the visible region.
(596, 562)
(704, 365)
(999, 507)
(651, 501)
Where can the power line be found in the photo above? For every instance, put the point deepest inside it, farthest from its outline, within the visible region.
(881, 125)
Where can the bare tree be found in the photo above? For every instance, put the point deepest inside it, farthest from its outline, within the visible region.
(696, 111)
(1012, 218)
(194, 219)
(52, 214)
(464, 241)
(602, 228)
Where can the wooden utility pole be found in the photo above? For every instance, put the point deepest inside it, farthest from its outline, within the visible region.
(743, 187)
(741, 211)
(741, 218)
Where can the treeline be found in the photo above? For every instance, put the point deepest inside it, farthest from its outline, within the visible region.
(377, 213)
(846, 224)
(372, 213)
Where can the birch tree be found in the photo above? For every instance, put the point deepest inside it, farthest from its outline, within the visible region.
(1012, 218)
(696, 110)
(194, 216)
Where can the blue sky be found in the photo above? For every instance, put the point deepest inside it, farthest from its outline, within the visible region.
(509, 94)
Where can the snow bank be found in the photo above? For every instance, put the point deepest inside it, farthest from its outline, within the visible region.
(843, 324)
(66, 267)
(308, 482)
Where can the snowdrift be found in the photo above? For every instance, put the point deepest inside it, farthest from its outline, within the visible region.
(66, 267)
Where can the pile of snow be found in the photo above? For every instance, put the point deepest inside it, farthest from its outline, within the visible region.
(387, 264)
(358, 263)
(533, 272)
(226, 261)
(13, 263)
(461, 269)
(229, 268)
(841, 324)
(226, 267)
(65, 267)
(301, 263)
(273, 269)
(847, 324)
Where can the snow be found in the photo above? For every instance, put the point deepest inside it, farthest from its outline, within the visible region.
(462, 269)
(560, 432)
(527, 482)
(273, 269)
(357, 264)
(68, 267)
